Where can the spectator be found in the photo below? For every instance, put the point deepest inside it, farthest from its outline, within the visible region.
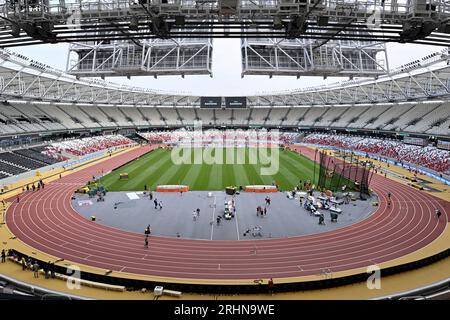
(36, 269)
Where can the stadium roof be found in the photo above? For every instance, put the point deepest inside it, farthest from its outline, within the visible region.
(25, 79)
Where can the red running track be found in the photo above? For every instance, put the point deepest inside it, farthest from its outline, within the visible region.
(46, 221)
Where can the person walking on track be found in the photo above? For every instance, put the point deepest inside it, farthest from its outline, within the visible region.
(270, 286)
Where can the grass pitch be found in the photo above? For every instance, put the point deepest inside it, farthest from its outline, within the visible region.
(156, 168)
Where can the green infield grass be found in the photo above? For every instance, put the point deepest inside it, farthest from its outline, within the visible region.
(157, 168)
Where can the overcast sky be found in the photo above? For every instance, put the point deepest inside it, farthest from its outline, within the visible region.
(226, 79)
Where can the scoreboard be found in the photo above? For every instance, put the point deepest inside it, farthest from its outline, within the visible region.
(211, 102)
(236, 102)
(216, 102)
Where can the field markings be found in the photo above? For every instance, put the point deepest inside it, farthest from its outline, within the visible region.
(213, 214)
(237, 225)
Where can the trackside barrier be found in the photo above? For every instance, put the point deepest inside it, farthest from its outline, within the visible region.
(83, 282)
(36, 290)
(172, 293)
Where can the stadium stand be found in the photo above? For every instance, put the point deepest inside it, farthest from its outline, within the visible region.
(36, 155)
(97, 116)
(424, 118)
(3, 175)
(429, 156)
(21, 161)
(240, 117)
(219, 137)
(136, 118)
(79, 147)
(10, 169)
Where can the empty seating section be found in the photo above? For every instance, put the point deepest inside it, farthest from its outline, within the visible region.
(276, 116)
(347, 115)
(327, 115)
(7, 127)
(443, 129)
(152, 116)
(98, 117)
(188, 115)
(434, 122)
(368, 117)
(223, 117)
(295, 115)
(428, 118)
(79, 115)
(10, 169)
(42, 121)
(170, 115)
(79, 147)
(311, 116)
(412, 116)
(135, 116)
(388, 119)
(333, 117)
(23, 118)
(240, 116)
(125, 120)
(115, 115)
(259, 116)
(206, 116)
(19, 160)
(429, 157)
(59, 113)
(36, 155)
(3, 175)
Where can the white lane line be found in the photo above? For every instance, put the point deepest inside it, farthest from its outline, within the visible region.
(237, 225)
(212, 223)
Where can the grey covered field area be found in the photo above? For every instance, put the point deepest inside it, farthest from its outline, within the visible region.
(285, 217)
